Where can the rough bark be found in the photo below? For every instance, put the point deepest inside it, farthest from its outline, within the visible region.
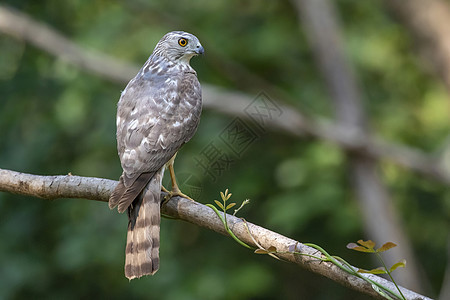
(69, 186)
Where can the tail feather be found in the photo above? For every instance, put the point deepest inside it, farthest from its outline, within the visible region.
(119, 190)
(126, 192)
(142, 250)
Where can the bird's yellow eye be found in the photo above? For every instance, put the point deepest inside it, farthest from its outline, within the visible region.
(182, 42)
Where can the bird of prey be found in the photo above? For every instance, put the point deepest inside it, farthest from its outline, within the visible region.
(158, 112)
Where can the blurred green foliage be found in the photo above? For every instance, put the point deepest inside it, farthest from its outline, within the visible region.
(56, 119)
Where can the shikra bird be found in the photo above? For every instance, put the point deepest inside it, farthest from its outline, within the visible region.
(158, 112)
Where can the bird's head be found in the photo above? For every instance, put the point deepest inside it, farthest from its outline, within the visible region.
(179, 46)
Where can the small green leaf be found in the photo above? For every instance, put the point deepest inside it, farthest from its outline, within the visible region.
(368, 244)
(387, 246)
(223, 196)
(355, 247)
(379, 270)
(220, 205)
(229, 196)
(230, 206)
(400, 264)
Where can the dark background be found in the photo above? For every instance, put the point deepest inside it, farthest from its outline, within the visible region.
(57, 118)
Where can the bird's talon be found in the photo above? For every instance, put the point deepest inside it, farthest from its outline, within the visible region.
(176, 193)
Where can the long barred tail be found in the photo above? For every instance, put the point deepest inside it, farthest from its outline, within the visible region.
(142, 250)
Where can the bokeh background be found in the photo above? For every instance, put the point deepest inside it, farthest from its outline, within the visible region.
(58, 117)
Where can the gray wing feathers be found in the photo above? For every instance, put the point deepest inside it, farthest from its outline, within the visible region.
(151, 127)
(156, 115)
(157, 122)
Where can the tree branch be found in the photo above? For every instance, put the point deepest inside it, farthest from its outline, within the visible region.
(53, 187)
(291, 121)
(69, 186)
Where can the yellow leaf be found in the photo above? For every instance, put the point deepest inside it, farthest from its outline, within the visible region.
(387, 246)
(379, 270)
(400, 264)
(220, 205)
(272, 249)
(368, 244)
(355, 247)
(230, 206)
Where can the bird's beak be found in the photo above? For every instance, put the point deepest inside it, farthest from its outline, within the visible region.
(200, 50)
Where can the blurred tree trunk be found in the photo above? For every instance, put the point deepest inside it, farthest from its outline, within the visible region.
(429, 23)
(320, 23)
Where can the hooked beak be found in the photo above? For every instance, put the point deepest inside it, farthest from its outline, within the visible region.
(200, 50)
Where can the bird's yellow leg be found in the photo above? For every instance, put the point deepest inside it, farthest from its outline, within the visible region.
(164, 189)
(175, 189)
